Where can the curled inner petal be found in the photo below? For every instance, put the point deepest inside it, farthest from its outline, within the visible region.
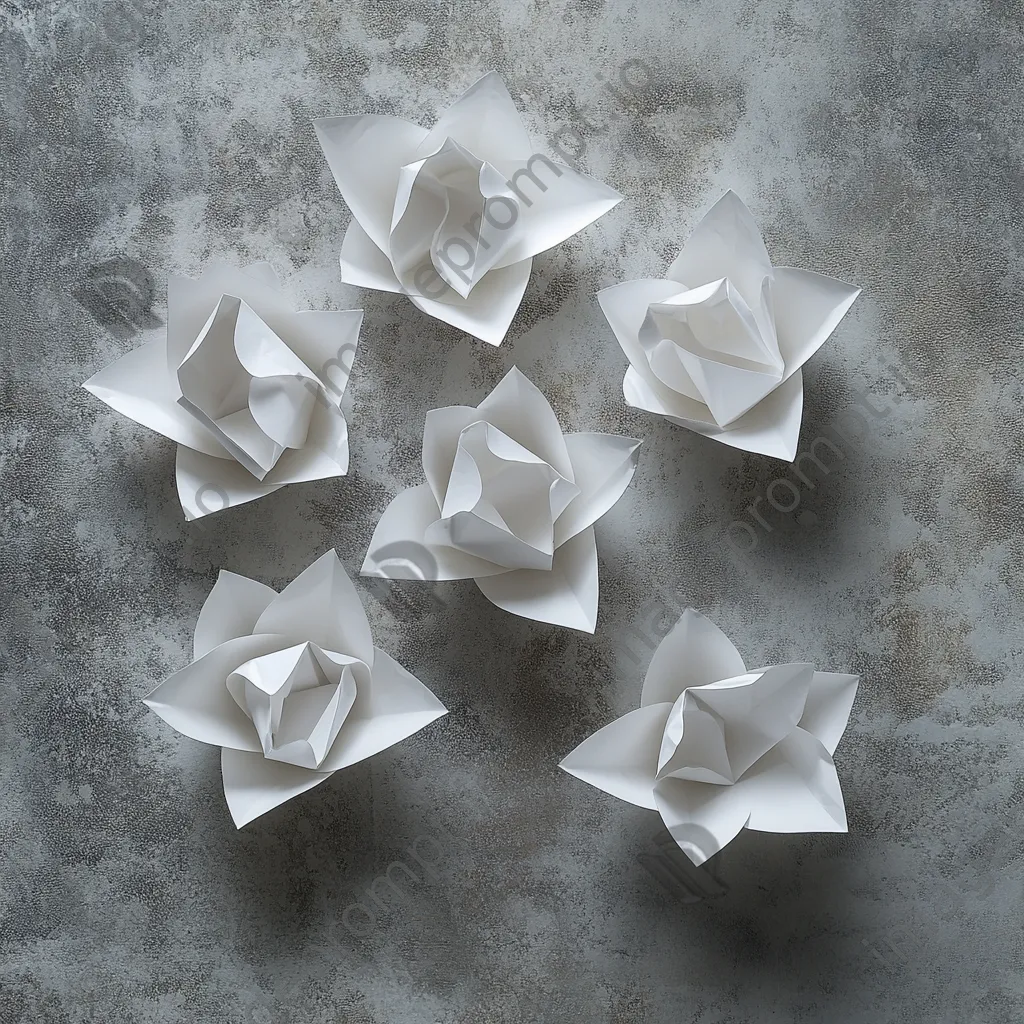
(243, 383)
(298, 699)
(455, 217)
(502, 501)
(707, 344)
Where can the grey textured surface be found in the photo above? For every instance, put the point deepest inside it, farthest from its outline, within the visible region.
(877, 141)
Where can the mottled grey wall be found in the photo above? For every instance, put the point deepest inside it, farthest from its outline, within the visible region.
(879, 141)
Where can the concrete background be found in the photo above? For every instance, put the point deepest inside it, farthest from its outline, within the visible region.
(877, 141)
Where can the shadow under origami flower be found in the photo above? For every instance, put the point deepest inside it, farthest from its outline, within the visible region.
(510, 502)
(718, 346)
(444, 216)
(715, 748)
(290, 686)
(249, 388)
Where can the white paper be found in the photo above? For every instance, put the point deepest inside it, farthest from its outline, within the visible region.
(291, 686)
(715, 748)
(250, 389)
(718, 346)
(510, 502)
(453, 216)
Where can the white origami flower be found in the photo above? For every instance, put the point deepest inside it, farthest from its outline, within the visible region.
(719, 346)
(250, 389)
(509, 501)
(716, 748)
(453, 216)
(290, 686)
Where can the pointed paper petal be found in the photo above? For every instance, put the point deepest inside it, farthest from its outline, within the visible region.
(441, 431)
(321, 605)
(622, 758)
(139, 386)
(726, 243)
(490, 307)
(399, 551)
(827, 712)
(207, 485)
(326, 341)
(484, 120)
(395, 706)
(625, 308)
(518, 407)
(365, 153)
(564, 595)
(808, 307)
(794, 788)
(196, 702)
(555, 202)
(254, 784)
(693, 653)
(603, 465)
(264, 273)
(683, 411)
(700, 817)
(772, 427)
(231, 610)
(363, 264)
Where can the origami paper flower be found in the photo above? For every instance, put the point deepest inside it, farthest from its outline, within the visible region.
(510, 502)
(290, 686)
(453, 216)
(718, 346)
(250, 389)
(716, 748)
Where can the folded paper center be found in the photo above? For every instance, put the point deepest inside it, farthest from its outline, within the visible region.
(706, 343)
(298, 699)
(715, 733)
(247, 387)
(502, 501)
(454, 219)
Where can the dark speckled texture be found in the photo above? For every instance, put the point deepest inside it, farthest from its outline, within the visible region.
(879, 141)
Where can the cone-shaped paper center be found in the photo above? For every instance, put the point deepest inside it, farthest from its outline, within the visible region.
(705, 343)
(246, 386)
(502, 501)
(454, 218)
(298, 699)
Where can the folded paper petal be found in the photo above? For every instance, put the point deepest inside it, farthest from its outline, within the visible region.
(772, 427)
(555, 202)
(517, 407)
(564, 595)
(230, 610)
(207, 485)
(490, 307)
(365, 153)
(363, 264)
(441, 430)
(326, 340)
(254, 784)
(196, 702)
(399, 549)
(694, 652)
(827, 712)
(484, 120)
(394, 706)
(808, 307)
(603, 465)
(640, 393)
(794, 788)
(726, 243)
(622, 758)
(321, 606)
(139, 386)
(701, 818)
